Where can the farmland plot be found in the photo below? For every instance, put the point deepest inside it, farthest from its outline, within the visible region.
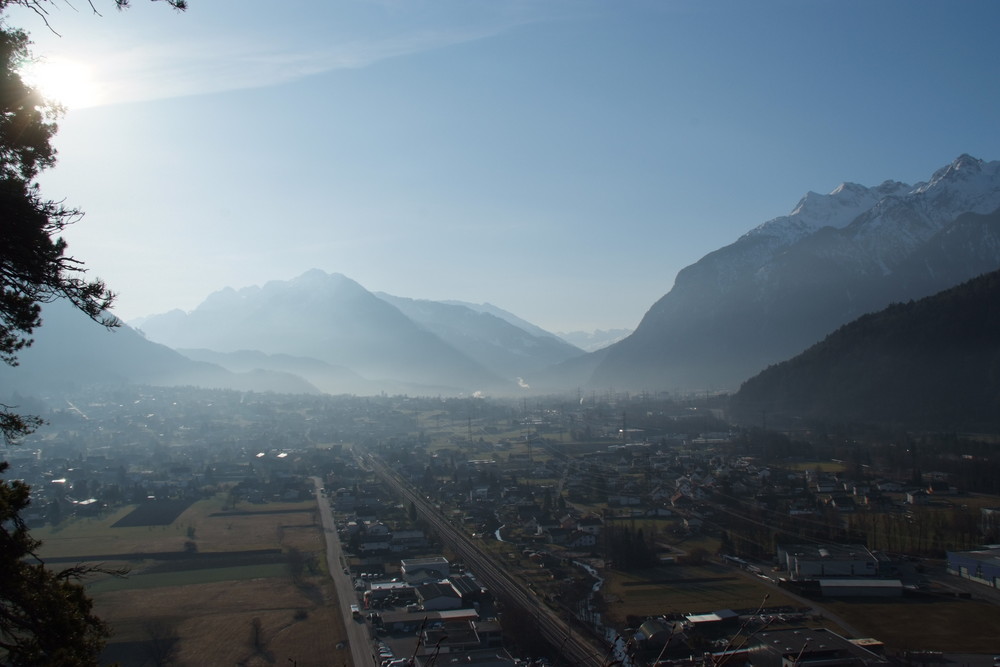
(211, 587)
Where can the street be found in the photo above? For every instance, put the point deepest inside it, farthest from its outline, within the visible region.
(358, 643)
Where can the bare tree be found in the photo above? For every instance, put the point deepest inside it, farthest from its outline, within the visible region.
(161, 643)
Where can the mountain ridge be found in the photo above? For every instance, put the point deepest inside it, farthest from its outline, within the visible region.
(772, 293)
(932, 363)
(395, 343)
(788, 282)
(70, 350)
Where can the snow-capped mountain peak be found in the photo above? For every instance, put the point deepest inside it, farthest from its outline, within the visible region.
(837, 209)
(792, 280)
(967, 184)
(962, 167)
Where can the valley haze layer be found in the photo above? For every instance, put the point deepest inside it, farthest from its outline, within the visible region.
(766, 297)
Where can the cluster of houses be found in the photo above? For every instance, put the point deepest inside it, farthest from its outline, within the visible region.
(570, 530)
(432, 608)
(372, 537)
(643, 480)
(112, 447)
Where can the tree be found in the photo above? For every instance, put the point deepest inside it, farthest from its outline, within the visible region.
(160, 646)
(41, 6)
(45, 616)
(34, 267)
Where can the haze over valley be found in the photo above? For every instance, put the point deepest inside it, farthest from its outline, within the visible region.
(775, 291)
(499, 334)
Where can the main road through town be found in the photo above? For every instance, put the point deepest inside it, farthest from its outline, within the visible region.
(358, 641)
(572, 645)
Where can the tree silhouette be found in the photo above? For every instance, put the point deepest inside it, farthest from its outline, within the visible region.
(34, 267)
(45, 616)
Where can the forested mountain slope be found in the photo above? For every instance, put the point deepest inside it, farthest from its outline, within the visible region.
(789, 282)
(932, 364)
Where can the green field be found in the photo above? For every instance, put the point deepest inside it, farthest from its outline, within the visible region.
(153, 513)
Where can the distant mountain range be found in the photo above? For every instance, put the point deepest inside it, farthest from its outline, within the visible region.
(342, 338)
(933, 363)
(789, 282)
(768, 296)
(592, 341)
(71, 352)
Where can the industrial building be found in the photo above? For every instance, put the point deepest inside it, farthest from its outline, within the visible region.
(809, 561)
(981, 566)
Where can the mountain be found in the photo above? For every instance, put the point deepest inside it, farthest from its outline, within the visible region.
(333, 319)
(933, 363)
(789, 282)
(509, 350)
(591, 341)
(588, 341)
(326, 377)
(504, 315)
(71, 351)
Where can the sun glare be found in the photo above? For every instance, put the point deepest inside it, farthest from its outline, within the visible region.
(67, 82)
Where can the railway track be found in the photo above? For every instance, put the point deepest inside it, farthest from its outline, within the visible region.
(571, 644)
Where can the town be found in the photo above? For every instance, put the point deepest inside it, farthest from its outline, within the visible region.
(634, 529)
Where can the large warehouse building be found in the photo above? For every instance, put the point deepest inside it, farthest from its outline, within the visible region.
(981, 566)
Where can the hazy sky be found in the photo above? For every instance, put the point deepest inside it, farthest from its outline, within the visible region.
(560, 159)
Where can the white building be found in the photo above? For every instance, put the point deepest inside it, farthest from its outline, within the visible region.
(418, 570)
(807, 561)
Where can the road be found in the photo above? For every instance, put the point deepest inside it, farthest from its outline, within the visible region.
(359, 642)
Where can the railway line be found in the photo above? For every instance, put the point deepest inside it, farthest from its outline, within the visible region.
(572, 645)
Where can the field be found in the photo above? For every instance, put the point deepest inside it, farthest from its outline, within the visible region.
(822, 466)
(928, 624)
(245, 587)
(685, 589)
(155, 513)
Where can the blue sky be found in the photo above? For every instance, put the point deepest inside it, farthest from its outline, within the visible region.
(562, 159)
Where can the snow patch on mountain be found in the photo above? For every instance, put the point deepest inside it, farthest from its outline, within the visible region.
(791, 280)
(891, 230)
(814, 211)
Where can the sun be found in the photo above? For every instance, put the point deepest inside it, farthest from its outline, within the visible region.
(67, 82)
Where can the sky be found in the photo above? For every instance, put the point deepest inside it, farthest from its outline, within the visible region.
(560, 159)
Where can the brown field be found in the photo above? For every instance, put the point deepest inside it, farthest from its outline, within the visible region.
(685, 589)
(160, 609)
(214, 623)
(927, 624)
(974, 501)
(213, 529)
(822, 466)
(908, 623)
